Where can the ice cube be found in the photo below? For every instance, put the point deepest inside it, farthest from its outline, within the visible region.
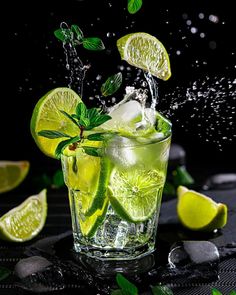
(39, 275)
(120, 150)
(121, 235)
(193, 252)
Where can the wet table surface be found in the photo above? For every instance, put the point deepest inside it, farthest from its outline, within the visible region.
(169, 231)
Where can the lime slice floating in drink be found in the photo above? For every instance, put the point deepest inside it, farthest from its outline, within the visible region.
(47, 116)
(25, 221)
(145, 52)
(12, 173)
(134, 194)
(199, 212)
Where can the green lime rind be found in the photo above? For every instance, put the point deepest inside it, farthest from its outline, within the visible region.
(146, 52)
(12, 174)
(25, 221)
(99, 216)
(101, 192)
(47, 116)
(198, 212)
(134, 195)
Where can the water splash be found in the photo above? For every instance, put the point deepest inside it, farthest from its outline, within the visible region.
(74, 64)
(207, 104)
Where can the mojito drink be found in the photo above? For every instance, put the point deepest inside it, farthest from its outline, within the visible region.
(115, 185)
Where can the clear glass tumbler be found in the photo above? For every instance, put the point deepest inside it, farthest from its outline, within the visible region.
(115, 192)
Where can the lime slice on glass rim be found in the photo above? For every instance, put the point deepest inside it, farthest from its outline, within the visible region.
(12, 173)
(146, 52)
(199, 212)
(134, 194)
(25, 221)
(47, 116)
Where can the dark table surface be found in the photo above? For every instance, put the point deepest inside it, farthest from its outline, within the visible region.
(58, 221)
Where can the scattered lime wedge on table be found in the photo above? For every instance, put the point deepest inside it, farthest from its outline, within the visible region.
(146, 52)
(199, 212)
(88, 176)
(47, 116)
(12, 173)
(134, 195)
(25, 221)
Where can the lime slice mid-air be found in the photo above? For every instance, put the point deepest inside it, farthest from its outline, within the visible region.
(199, 212)
(134, 194)
(146, 52)
(12, 173)
(25, 221)
(47, 115)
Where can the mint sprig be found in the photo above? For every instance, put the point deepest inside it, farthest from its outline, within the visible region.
(75, 36)
(134, 6)
(84, 119)
(126, 287)
(112, 84)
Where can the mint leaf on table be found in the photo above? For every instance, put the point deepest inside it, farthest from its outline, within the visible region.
(216, 292)
(161, 290)
(182, 177)
(112, 84)
(126, 286)
(134, 6)
(4, 273)
(93, 43)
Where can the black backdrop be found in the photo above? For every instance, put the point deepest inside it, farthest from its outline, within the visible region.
(198, 35)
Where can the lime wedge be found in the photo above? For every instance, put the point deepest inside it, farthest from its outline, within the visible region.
(145, 52)
(88, 224)
(135, 194)
(199, 212)
(12, 174)
(89, 175)
(25, 221)
(47, 116)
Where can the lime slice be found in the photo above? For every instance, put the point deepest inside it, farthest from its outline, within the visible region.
(25, 221)
(12, 174)
(146, 52)
(88, 224)
(47, 116)
(135, 194)
(89, 175)
(199, 212)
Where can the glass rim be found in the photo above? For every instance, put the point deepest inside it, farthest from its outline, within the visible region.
(138, 144)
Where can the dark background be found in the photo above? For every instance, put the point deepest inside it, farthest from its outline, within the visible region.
(199, 47)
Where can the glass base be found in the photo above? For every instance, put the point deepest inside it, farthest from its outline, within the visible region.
(115, 254)
(109, 263)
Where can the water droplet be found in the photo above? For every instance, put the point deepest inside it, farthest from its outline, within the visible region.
(99, 77)
(212, 45)
(178, 52)
(213, 18)
(201, 15)
(193, 30)
(202, 35)
(188, 22)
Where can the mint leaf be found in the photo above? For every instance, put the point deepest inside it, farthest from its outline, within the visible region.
(126, 286)
(233, 292)
(93, 113)
(63, 35)
(52, 134)
(69, 117)
(97, 121)
(58, 179)
(81, 110)
(96, 137)
(93, 43)
(63, 144)
(112, 84)
(85, 122)
(182, 177)
(134, 6)
(161, 290)
(91, 151)
(216, 292)
(77, 31)
(4, 273)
